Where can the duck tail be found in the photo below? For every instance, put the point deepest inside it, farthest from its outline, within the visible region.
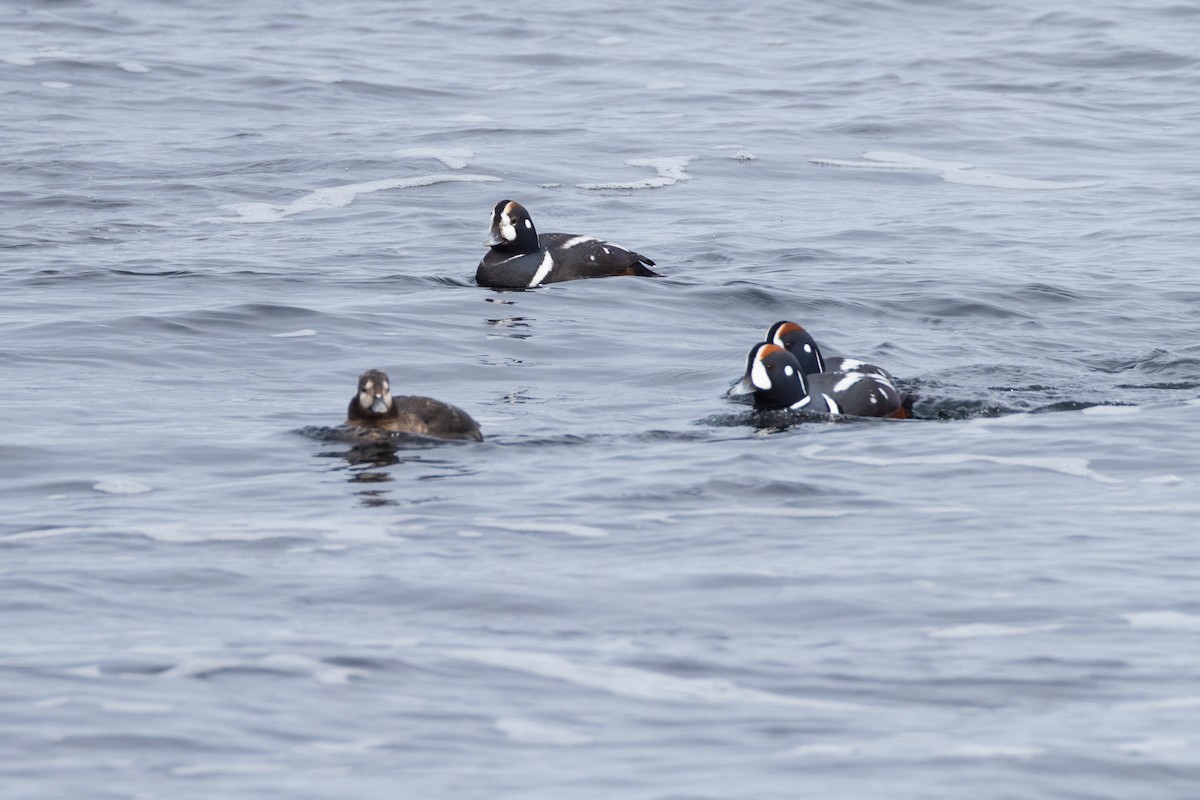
(905, 411)
(642, 267)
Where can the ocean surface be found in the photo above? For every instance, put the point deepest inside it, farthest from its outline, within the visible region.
(213, 217)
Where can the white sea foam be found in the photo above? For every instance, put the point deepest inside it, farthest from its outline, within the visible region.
(950, 171)
(322, 672)
(1166, 703)
(203, 769)
(249, 530)
(132, 66)
(50, 533)
(125, 707)
(1066, 465)
(29, 59)
(940, 510)
(57, 52)
(669, 171)
(353, 746)
(609, 41)
(294, 334)
(531, 732)
(120, 485)
(672, 517)
(1163, 620)
(285, 662)
(86, 671)
(827, 750)
(1156, 508)
(1150, 747)
(983, 630)
(919, 747)
(639, 684)
(1111, 411)
(337, 197)
(229, 532)
(1163, 480)
(52, 702)
(320, 548)
(1009, 751)
(530, 526)
(452, 157)
(740, 153)
(56, 84)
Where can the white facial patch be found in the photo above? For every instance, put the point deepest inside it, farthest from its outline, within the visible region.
(543, 270)
(808, 348)
(759, 377)
(787, 370)
(528, 223)
(507, 232)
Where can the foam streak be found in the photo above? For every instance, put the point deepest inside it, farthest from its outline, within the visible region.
(669, 171)
(337, 197)
(950, 171)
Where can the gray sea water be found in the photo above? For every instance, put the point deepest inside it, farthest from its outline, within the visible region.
(213, 217)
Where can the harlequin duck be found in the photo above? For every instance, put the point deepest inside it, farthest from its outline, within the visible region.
(780, 383)
(374, 407)
(520, 259)
(800, 343)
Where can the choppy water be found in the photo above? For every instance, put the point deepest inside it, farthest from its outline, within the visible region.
(213, 219)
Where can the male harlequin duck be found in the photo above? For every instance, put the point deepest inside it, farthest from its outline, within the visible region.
(800, 343)
(780, 383)
(374, 407)
(520, 259)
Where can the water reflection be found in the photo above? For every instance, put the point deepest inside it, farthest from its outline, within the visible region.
(378, 459)
(511, 326)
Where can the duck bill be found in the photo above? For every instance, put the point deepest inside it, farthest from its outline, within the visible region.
(493, 240)
(741, 388)
(379, 406)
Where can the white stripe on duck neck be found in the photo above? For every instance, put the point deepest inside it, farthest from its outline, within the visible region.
(543, 270)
